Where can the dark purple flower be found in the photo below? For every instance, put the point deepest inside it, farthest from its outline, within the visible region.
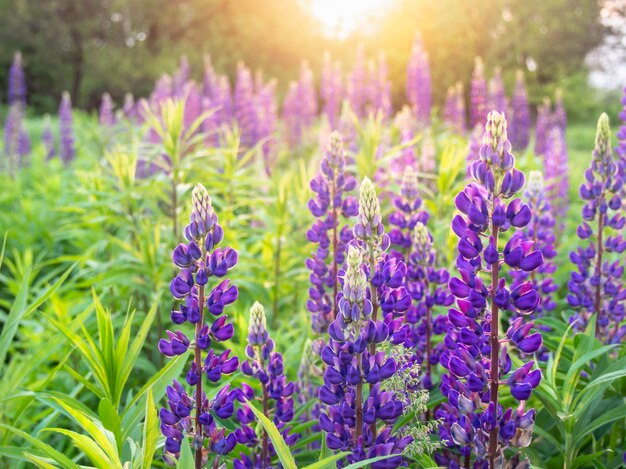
(199, 261)
(474, 421)
(596, 290)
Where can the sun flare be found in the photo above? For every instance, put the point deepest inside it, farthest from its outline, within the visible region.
(341, 17)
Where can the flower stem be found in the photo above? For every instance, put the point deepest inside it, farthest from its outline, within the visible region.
(598, 294)
(335, 243)
(495, 352)
(198, 361)
(265, 441)
(372, 346)
(358, 405)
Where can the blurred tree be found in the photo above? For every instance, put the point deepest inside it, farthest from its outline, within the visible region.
(92, 46)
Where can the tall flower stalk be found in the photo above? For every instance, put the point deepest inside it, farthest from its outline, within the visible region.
(66, 129)
(476, 356)
(418, 82)
(330, 205)
(520, 125)
(266, 365)
(478, 94)
(192, 415)
(540, 232)
(596, 288)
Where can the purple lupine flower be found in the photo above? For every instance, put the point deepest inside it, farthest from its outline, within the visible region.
(130, 110)
(556, 171)
(356, 87)
(331, 90)
(543, 126)
(378, 88)
(478, 94)
(406, 158)
(418, 82)
(497, 93)
(476, 357)
(520, 125)
(193, 104)
(407, 214)
(17, 82)
(473, 147)
(244, 107)
(620, 150)
(47, 139)
(266, 365)
(352, 418)
(427, 286)
(428, 155)
(66, 129)
(267, 111)
(199, 261)
(559, 116)
(106, 115)
(209, 79)
(541, 233)
(163, 90)
(330, 206)
(300, 107)
(13, 126)
(454, 109)
(596, 288)
(413, 244)
(181, 77)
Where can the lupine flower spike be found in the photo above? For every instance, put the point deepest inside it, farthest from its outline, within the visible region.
(66, 129)
(520, 127)
(193, 415)
(478, 94)
(418, 82)
(596, 289)
(330, 206)
(476, 356)
(266, 365)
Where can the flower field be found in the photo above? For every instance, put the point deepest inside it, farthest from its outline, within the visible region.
(223, 275)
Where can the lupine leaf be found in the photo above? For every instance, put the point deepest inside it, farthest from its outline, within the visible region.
(282, 450)
(46, 449)
(150, 432)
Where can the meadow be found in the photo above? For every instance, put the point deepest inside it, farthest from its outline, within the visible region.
(382, 273)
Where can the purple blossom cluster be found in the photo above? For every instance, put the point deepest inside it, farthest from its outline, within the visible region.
(331, 90)
(418, 82)
(67, 150)
(193, 415)
(351, 420)
(539, 232)
(406, 158)
(265, 365)
(300, 107)
(330, 205)
(596, 288)
(520, 115)
(17, 144)
(477, 359)
(426, 285)
(368, 89)
(478, 94)
(620, 150)
(496, 92)
(106, 113)
(454, 108)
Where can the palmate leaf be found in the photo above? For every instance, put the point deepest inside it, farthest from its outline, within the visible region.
(90, 448)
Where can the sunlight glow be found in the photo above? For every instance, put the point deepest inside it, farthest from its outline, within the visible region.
(341, 17)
